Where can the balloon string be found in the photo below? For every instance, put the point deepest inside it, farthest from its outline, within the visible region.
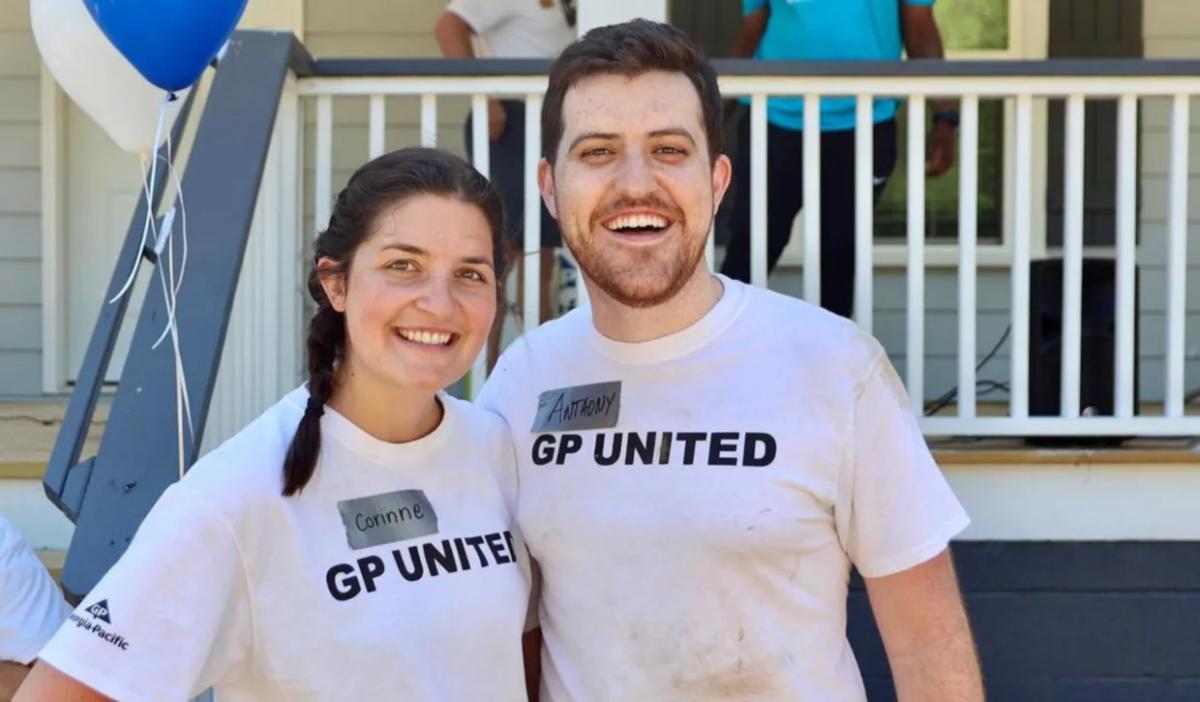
(162, 113)
(176, 284)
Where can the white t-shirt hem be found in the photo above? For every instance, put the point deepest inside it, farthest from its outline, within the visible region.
(917, 555)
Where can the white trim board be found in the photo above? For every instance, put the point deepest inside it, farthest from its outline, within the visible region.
(53, 265)
(1078, 502)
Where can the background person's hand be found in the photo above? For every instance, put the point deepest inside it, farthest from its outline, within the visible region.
(497, 119)
(939, 149)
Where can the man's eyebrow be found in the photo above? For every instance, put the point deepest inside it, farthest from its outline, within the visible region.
(591, 135)
(674, 131)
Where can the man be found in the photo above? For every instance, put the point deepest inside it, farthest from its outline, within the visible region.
(700, 461)
(510, 29)
(31, 608)
(828, 30)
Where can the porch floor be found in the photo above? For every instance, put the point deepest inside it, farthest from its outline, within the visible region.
(28, 430)
(27, 433)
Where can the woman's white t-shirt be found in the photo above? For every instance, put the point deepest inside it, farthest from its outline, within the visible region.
(394, 574)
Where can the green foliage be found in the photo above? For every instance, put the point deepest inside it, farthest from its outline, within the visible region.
(972, 24)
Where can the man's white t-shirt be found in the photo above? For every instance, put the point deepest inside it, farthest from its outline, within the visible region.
(695, 502)
(516, 28)
(392, 575)
(31, 606)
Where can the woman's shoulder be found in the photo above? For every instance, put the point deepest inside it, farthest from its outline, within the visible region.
(248, 466)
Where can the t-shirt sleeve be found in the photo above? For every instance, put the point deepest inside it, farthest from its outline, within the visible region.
(482, 15)
(919, 3)
(894, 509)
(31, 606)
(170, 618)
(752, 6)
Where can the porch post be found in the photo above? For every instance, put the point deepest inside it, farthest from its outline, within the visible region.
(597, 13)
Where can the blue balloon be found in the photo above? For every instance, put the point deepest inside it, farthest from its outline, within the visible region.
(170, 42)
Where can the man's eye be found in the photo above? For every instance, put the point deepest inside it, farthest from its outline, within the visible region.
(672, 151)
(403, 265)
(598, 151)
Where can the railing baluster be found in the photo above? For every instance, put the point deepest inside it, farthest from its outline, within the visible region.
(1072, 301)
(481, 156)
(375, 141)
(1126, 252)
(429, 123)
(864, 212)
(533, 211)
(322, 196)
(1019, 338)
(968, 183)
(915, 343)
(758, 190)
(1177, 226)
(812, 198)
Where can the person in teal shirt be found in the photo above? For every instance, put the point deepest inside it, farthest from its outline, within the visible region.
(828, 30)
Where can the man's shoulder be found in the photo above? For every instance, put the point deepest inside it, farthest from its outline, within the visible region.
(809, 334)
(531, 355)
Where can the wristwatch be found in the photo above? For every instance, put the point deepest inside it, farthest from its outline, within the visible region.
(949, 117)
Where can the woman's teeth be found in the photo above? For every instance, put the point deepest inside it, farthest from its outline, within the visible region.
(427, 337)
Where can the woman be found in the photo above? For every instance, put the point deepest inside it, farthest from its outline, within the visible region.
(379, 563)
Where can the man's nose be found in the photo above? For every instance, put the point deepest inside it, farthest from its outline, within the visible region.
(636, 176)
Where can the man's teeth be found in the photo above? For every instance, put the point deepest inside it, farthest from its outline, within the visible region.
(426, 337)
(642, 221)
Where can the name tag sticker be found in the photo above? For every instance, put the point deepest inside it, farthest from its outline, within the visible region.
(383, 519)
(595, 406)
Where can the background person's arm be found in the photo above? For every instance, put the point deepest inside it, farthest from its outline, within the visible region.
(45, 683)
(453, 36)
(745, 43)
(925, 632)
(922, 40)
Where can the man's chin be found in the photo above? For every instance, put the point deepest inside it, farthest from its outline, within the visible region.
(640, 292)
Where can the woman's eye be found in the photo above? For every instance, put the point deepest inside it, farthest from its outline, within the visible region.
(474, 275)
(403, 265)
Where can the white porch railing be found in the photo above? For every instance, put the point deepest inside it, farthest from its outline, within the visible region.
(1021, 83)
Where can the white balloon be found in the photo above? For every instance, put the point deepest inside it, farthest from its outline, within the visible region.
(97, 77)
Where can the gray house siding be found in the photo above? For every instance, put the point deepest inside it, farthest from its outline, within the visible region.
(20, 204)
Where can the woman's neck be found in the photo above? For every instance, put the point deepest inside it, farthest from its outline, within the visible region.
(384, 411)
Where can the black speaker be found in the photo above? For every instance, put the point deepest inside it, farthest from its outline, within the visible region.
(1098, 345)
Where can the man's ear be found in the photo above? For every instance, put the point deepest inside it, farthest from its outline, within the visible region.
(333, 281)
(545, 179)
(722, 173)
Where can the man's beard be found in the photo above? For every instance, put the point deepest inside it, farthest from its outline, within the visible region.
(651, 280)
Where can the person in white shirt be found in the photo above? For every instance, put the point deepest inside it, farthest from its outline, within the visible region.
(510, 29)
(354, 542)
(702, 462)
(31, 608)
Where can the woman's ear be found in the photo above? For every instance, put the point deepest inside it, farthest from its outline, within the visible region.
(333, 280)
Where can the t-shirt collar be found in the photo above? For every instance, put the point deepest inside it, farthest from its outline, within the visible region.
(350, 435)
(682, 342)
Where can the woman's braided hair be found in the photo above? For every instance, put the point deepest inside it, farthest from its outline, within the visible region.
(379, 183)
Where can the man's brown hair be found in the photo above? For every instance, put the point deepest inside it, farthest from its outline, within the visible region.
(631, 49)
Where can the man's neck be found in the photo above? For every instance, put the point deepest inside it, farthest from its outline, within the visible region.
(632, 324)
